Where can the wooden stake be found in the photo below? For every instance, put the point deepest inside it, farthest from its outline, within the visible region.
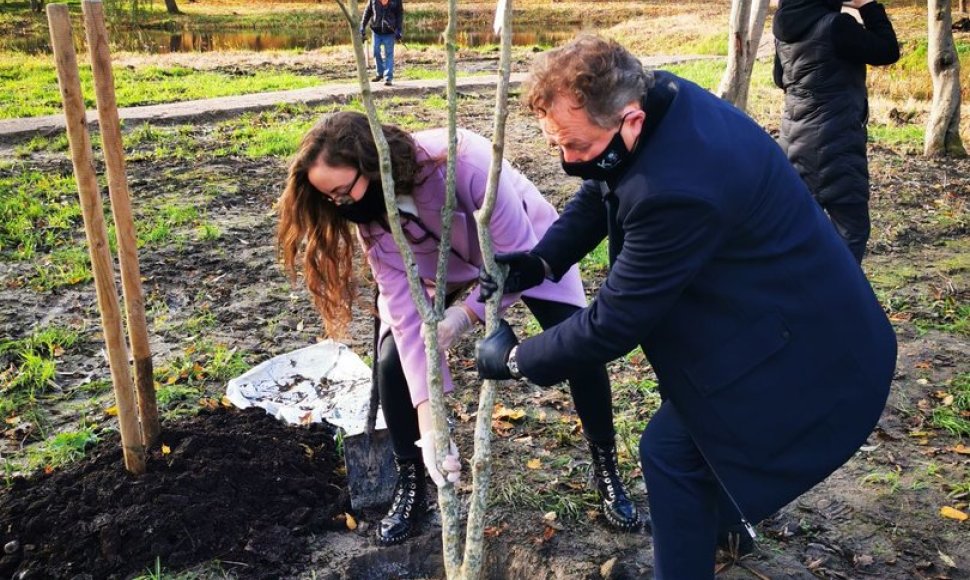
(114, 158)
(87, 187)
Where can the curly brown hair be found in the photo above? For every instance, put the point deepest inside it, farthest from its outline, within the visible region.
(311, 231)
(599, 74)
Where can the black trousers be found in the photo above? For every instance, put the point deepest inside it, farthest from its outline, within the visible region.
(590, 389)
(851, 221)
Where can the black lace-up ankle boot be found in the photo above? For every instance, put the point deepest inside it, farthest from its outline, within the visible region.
(618, 509)
(407, 505)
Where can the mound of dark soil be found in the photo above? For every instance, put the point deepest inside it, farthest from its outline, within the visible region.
(237, 486)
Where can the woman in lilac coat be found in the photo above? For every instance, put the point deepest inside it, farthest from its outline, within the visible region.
(333, 185)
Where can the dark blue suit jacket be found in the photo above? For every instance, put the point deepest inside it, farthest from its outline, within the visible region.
(764, 332)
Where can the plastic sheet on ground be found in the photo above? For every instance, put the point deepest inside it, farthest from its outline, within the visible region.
(325, 381)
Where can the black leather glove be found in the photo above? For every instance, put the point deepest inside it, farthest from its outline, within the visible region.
(492, 353)
(526, 270)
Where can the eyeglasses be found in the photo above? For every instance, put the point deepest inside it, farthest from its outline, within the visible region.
(342, 197)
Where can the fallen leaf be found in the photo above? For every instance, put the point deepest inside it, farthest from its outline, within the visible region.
(862, 560)
(954, 514)
(166, 449)
(501, 412)
(961, 449)
(111, 411)
(947, 560)
(502, 428)
(495, 531)
(534, 463)
(12, 420)
(226, 402)
(58, 351)
(48, 469)
(550, 516)
(351, 522)
(923, 364)
(299, 326)
(307, 450)
(208, 403)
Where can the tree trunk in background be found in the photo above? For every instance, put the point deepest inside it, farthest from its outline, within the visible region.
(943, 128)
(963, 6)
(747, 25)
(171, 7)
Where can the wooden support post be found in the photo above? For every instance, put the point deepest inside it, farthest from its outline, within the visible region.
(65, 60)
(114, 158)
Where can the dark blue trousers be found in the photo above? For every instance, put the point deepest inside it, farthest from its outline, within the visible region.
(687, 506)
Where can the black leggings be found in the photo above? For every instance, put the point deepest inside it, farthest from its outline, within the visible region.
(590, 389)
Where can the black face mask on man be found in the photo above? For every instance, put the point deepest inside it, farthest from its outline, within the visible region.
(604, 165)
(368, 208)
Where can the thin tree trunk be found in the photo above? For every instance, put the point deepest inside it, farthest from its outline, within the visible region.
(756, 28)
(943, 127)
(737, 46)
(963, 6)
(471, 568)
(171, 7)
(429, 313)
(747, 25)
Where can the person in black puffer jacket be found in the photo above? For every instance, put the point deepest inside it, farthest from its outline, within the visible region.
(820, 61)
(386, 18)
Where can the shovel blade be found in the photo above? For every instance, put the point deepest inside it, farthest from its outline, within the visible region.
(371, 473)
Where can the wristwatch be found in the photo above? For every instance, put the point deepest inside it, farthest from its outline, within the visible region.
(513, 363)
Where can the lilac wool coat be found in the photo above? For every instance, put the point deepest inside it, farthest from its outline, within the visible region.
(521, 217)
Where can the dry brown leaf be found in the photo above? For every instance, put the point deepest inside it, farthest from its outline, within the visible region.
(534, 463)
(494, 531)
(351, 522)
(961, 449)
(501, 412)
(954, 514)
(548, 533)
(502, 428)
(48, 469)
(225, 402)
(12, 420)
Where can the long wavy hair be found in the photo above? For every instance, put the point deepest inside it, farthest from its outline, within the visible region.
(311, 233)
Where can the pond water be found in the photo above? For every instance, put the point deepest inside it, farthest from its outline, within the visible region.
(157, 41)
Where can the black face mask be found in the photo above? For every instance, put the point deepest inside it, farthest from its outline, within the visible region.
(604, 165)
(368, 209)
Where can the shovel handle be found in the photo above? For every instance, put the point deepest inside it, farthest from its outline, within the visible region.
(374, 393)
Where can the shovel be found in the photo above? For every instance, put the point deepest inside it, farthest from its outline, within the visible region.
(368, 456)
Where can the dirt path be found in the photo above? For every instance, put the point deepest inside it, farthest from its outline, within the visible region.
(222, 107)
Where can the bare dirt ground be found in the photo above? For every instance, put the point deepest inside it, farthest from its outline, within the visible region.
(876, 517)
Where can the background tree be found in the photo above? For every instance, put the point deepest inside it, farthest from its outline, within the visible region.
(747, 26)
(943, 128)
(171, 7)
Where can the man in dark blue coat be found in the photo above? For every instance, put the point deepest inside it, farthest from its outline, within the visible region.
(773, 355)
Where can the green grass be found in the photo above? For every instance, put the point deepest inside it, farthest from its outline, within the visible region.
(706, 73)
(596, 262)
(28, 85)
(199, 372)
(953, 412)
(61, 449)
(906, 138)
(39, 211)
(30, 366)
